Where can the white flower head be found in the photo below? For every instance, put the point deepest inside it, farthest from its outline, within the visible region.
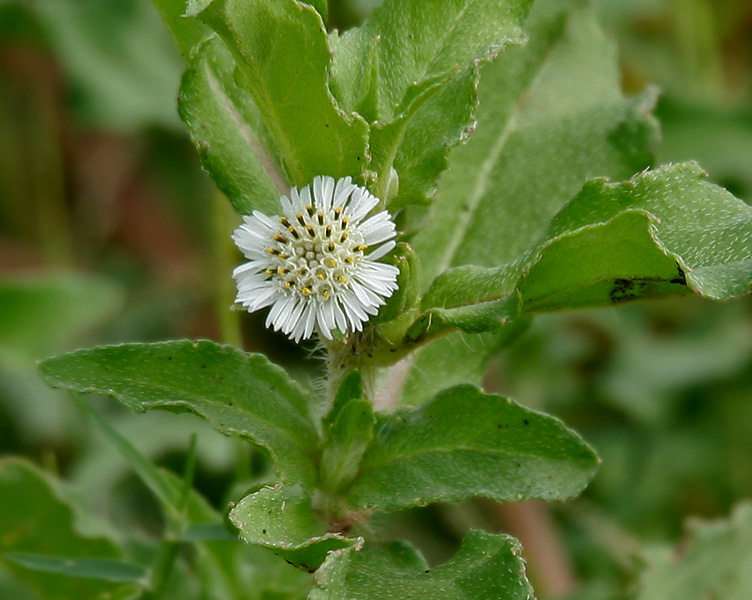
(316, 265)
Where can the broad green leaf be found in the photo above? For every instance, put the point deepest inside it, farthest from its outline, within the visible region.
(601, 264)
(226, 128)
(411, 71)
(188, 32)
(713, 564)
(701, 227)
(346, 440)
(486, 566)
(283, 55)
(419, 43)
(551, 116)
(282, 519)
(239, 394)
(50, 312)
(466, 443)
(666, 232)
(74, 566)
(36, 520)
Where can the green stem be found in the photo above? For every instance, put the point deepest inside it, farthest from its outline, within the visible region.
(162, 568)
(223, 261)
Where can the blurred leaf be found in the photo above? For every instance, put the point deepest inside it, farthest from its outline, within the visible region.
(50, 312)
(224, 124)
(719, 139)
(36, 520)
(282, 519)
(283, 55)
(238, 393)
(486, 566)
(466, 443)
(85, 568)
(121, 62)
(713, 564)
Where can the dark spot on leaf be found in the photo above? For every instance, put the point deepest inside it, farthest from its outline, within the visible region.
(230, 403)
(203, 366)
(263, 531)
(169, 358)
(526, 422)
(427, 571)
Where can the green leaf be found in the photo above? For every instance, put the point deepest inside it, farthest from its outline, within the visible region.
(346, 440)
(188, 32)
(428, 133)
(282, 52)
(486, 566)
(466, 443)
(50, 312)
(282, 519)
(411, 71)
(420, 43)
(36, 520)
(86, 568)
(702, 230)
(450, 360)
(551, 116)
(224, 125)
(713, 564)
(237, 393)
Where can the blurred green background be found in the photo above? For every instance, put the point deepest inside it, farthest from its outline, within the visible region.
(111, 232)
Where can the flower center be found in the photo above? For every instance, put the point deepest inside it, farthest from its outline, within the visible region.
(317, 254)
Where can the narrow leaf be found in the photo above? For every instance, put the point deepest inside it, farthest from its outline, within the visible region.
(188, 32)
(86, 568)
(466, 443)
(346, 440)
(237, 393)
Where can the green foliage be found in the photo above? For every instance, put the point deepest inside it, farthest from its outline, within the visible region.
(283, 56)
(239, 394)
(713, 563)
(37, 523)
(486, 566)
(466, 443)
(540, 211)
(85, 568)
(283, 520)
(118, 57)
(223, 122)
